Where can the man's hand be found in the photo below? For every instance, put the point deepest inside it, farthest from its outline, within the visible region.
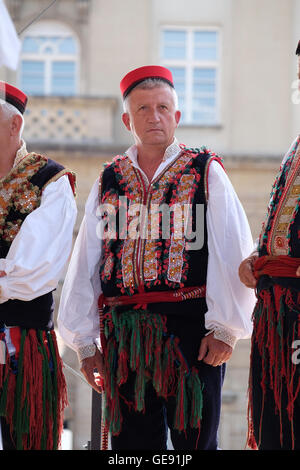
(298, 271)
(246, 271)
(213, 351)
(91, 366)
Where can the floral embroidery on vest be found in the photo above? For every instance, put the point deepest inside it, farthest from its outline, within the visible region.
(177, 245)
(140, 259)
(111, 207)
(151, 249)
(19, 194)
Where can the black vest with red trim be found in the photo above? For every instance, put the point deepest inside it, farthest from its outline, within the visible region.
(131, 264)
(20, 194)
(281, 231)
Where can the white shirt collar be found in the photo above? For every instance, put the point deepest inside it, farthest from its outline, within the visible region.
(171, 152)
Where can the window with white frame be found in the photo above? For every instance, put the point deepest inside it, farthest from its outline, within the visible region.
(192, 54)
(49, 60)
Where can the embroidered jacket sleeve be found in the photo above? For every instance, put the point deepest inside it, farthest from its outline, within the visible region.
(78, 319)
(230, 303)
(39, 252)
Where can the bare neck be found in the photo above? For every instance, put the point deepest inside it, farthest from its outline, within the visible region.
(149, 159)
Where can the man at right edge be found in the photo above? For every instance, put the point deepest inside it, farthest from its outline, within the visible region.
(274, 270)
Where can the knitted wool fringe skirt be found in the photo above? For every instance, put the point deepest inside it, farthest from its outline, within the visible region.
(33, 390)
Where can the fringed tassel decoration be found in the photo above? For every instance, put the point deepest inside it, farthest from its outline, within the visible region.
(196, 391)
(34, 395)
(139, 342)
(60, 390)
(251, 441)
(181, 404)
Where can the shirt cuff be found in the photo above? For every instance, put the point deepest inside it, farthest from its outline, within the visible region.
(222, 334)
(3, 290)
(86, 351)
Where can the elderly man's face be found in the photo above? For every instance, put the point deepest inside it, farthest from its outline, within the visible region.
(152, 116)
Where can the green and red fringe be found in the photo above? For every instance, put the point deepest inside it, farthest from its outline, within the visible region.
(33, 392)
(276, 326)
(137, 340)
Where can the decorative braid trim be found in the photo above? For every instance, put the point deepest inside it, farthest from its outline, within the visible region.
(65, 171)
(224, 335)
(88, 350)
(138, 341)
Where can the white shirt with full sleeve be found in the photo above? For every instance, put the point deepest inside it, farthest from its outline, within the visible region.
(230, 303)
(38, 254)
(40, 250)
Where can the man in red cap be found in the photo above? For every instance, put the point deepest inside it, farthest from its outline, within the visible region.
(37, 212)
(273, 269)
(171, 304)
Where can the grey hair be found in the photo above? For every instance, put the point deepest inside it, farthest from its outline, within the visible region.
(149, 84)
(9, 111)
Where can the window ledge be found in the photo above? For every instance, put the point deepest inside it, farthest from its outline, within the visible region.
(201, 126)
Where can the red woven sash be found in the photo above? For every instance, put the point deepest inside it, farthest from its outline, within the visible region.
(276, 266)
(145, 298)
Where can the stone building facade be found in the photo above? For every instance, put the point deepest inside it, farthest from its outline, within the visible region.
(235, 72)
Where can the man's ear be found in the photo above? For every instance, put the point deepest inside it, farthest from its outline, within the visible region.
(126, 121)
(16, 124)
(177, 117)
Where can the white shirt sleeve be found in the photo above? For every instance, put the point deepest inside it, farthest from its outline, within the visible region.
(39, 251)
(230, 304)
(78, 317)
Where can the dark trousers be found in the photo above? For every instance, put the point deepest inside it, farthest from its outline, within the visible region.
(268, 423)
(148, 430)
(7, 441)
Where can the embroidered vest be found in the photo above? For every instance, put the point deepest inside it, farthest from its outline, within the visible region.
(141, 255)
(281, 231)
(20, 194)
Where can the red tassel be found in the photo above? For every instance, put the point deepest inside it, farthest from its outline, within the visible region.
(62, 394)
(122, 373)
(276, 348)
(10, 404)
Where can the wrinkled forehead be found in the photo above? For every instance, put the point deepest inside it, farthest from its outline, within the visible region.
(156, 94)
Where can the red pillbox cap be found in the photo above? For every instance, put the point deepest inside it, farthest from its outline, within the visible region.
(140, 74)
(13, 95)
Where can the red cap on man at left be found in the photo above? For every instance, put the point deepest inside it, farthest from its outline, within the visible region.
(13, 95)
